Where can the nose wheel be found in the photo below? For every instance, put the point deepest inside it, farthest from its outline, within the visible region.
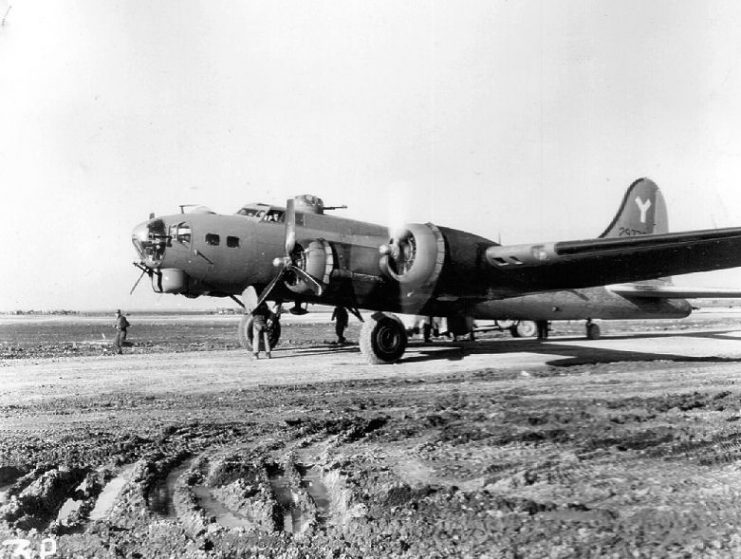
(383, 339)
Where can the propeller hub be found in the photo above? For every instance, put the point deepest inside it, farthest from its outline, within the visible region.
(392, 249)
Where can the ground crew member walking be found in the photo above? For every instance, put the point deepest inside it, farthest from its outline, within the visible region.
(121, 326)
(543, 327)
(340, 314)
(260, 330)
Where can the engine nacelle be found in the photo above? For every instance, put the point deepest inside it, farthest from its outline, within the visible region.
(170, 280)
(415, 256)
(316, 258)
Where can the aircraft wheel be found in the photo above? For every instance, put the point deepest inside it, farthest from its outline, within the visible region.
(383, 338)
(245, 333)
(524, 329)
(593, 331)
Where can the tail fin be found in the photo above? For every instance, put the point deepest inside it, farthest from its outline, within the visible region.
(643, 212)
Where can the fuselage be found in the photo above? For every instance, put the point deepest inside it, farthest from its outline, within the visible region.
(204, 253)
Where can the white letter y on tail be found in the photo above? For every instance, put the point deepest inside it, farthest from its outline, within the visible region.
(643, 207)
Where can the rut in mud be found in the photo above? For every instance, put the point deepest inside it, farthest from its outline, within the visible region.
(483, 463)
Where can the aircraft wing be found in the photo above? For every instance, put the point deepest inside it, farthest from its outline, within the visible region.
(605, 261)
(673, 292)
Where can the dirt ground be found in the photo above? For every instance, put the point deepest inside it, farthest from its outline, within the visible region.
(624, 447)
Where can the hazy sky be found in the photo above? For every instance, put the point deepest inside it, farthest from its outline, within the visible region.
(525, 119)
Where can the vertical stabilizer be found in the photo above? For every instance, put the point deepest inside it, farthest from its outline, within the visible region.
(643, 212)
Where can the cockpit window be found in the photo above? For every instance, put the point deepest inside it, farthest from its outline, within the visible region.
(276, 216)
(182, 233)
(263, 212)
(251, 212)
(212, 239)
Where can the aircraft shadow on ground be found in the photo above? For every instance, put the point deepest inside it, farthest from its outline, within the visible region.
(571, 355)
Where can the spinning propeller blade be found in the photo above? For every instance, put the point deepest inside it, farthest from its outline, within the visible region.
(285, 264)
(266, 292)
(290, 226)
(136, 283)
(315, 285)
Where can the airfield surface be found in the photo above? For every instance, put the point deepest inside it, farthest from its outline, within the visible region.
(627, 446)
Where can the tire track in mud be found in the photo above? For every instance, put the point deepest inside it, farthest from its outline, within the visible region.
(75, 497)
(61, 499)
(286, 485)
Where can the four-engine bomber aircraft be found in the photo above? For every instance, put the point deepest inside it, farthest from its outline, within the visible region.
(301, 254)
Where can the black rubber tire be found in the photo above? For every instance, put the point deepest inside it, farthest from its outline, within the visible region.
(593, 331)
(524, 329)
(505, 324)
(383, 339)
(244, 334)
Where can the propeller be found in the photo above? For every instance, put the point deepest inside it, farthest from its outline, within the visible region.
(145, 270)
(136, 283)
(285, 264)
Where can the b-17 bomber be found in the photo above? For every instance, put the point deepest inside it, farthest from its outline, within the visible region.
(302, 254)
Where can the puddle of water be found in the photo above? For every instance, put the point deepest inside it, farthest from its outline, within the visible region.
(70, 506)
(5, 493)
(284, 496)
(212, 507)
(311, 480)
(160, 497)
(110, 493)
(294, 521)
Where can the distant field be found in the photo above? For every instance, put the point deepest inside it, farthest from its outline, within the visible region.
(25, 336)
(46, 336)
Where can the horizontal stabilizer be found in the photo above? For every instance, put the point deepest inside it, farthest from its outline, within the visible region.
(673, 292)
(605, 261)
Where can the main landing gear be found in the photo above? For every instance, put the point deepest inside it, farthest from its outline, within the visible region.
(523, 329)
(383, 338)
(245, 332)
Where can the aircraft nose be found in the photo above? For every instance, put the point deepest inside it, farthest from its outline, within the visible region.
(149, 239)
(140, 236)
(140, 233)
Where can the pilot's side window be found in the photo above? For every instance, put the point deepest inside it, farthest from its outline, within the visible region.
(183, 233)
(212, 239)
(232, 242)
(275, 216)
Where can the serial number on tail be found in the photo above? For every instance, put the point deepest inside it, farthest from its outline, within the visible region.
(628, 232)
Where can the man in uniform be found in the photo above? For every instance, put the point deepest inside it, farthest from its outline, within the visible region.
(340, 314)
(121, 326)
(261, 317)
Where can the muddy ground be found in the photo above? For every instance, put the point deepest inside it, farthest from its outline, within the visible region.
(628, 449)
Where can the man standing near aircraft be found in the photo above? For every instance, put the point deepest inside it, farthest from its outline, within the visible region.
(543, 327)
(340, 314)
(121, 326)
(261, 316)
